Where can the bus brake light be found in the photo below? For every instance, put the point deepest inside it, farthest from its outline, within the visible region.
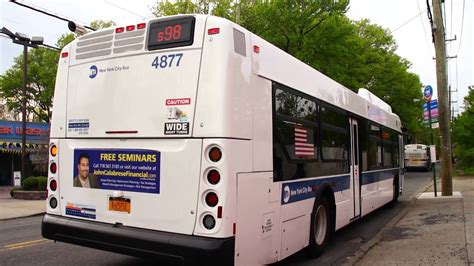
(213, 31)
(64, 55)
(212, 199)
(130, 28)
(256, 49)
(141, 26)
(119, 30)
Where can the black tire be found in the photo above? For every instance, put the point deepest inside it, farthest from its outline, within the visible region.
(322, 226)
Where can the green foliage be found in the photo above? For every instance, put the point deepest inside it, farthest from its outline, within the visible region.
(30, 183)
(42, 183)
(42, 68)
(463, 135)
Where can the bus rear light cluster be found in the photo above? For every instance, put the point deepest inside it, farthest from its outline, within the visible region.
(130, 28)
(212, 199)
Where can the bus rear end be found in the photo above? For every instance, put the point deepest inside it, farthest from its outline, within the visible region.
(417, 157)
(126, 174)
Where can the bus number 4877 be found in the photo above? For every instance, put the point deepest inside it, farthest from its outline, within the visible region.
(164, 61)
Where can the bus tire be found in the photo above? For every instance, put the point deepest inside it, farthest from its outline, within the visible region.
(321, 227)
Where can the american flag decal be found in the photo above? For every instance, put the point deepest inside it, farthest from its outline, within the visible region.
(302, 147)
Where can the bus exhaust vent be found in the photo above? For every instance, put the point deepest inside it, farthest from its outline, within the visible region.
(105, 42)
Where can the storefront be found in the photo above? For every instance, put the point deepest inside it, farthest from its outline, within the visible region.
(37, 139)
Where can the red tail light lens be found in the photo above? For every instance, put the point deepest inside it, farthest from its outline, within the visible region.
(53, 168)
(131, 27)
(213, 31)
(119, 30)
(212, 199)
(141, 26)
(53, 185)
(213, 177)
(215, 154)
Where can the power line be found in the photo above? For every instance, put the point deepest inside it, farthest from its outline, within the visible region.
(423, 25)
(45, 12)
(124, 9)
(462, 24)
(408, 21)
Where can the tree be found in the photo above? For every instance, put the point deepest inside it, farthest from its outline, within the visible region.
(463, 136)
(42, 68)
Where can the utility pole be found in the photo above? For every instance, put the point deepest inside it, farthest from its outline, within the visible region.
(443, 104)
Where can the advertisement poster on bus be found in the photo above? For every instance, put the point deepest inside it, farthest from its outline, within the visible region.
(117, 169)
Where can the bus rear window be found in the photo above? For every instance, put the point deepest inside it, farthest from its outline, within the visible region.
(171, 33)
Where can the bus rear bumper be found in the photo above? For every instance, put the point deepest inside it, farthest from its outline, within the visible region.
(139, 242)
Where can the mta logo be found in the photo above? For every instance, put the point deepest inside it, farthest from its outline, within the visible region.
(92, 72)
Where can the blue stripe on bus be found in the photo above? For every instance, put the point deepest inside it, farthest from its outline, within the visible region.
(301, 190)
(306, 189)
(372, 177)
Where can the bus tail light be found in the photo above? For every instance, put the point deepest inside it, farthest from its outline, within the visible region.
(53, 203)
(212, 199)
(219, 212)
(119, 30)
(213, 177)
(53, 185)
(130, 27)
(141, 26)
(215, 154)
(209, 222)
(256, 49)
(53, 167)
(53, 150)
(64, 55)
(213, 31)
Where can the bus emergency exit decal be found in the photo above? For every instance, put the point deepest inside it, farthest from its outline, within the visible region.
(117, 169)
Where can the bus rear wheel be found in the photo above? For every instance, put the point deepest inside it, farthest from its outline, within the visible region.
(321, 227)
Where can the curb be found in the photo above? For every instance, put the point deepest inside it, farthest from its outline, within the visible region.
(25, 216)
(360, 253)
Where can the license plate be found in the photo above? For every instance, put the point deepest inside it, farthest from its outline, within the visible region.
(119, 204)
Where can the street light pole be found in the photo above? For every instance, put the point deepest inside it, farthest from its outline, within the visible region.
(23, 39)
(23, 111)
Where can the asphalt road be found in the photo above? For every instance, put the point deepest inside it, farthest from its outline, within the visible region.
(21, 242)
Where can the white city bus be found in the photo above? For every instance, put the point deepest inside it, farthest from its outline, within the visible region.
(189, 137)
(417, 156)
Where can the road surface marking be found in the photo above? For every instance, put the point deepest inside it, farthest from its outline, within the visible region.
(25, 244)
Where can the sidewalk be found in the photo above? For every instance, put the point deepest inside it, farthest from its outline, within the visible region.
(12, 208)
(430, 231)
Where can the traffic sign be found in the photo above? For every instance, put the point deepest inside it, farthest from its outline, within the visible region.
(433, 105)
(428, 92)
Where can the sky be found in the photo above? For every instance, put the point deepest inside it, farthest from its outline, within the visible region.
(407, 20)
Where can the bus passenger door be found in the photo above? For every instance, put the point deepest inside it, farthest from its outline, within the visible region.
(355, 171)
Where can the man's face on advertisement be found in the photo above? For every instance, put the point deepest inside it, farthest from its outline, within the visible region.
(83, 168)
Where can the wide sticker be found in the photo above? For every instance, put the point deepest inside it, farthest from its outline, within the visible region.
(177, 116)
(117, 169)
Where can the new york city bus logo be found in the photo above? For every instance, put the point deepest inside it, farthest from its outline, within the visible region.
(92, 72)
